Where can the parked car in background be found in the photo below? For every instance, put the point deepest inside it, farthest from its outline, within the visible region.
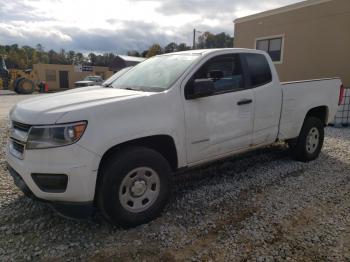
(89, 81)
(114, 77)
(116, 149)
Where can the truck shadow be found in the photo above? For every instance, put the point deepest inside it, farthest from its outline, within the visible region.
(235, 165)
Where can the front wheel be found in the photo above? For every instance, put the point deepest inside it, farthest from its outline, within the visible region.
(310, 141)
(134, 187)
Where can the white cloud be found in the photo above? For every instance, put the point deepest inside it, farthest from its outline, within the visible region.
(110, 25)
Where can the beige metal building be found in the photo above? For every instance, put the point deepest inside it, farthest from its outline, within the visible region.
(122, 61)
(310, 39)
(64, 76)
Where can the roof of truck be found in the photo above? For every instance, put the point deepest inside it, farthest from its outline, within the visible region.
(207, 51)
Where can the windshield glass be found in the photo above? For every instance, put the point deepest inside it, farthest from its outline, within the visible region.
(155, 74)
(110, 80)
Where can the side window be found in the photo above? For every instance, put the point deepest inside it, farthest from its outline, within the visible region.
(259, 69)
(272, 46)
(50, 75)
(225, 71)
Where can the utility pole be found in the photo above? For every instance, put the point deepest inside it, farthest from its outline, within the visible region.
(194, 39)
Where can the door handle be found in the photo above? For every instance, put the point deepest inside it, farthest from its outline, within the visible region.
(244, 102)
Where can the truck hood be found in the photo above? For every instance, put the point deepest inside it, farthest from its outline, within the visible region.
(47, 109)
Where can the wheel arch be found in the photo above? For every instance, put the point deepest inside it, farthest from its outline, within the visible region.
(320, 112)
(163, 144)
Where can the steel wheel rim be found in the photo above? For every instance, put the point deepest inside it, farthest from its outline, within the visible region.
(139, 189)
(27, 86)
(312, 140)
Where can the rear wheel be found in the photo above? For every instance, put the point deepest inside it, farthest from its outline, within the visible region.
(308, 145)
(134, 187)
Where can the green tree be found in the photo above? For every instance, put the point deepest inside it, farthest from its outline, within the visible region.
(44, 58)
(70, 57)
(183, 47)
(22, 59)
(210, 40)
(171, 47)
(92, 58)
(40, 51)
(12, 60)
(40, 48)
(79, 59)
(62, 57)
(133, 53)
(35, 58)
(53, 57)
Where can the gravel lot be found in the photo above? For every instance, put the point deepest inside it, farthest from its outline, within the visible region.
(258, 206)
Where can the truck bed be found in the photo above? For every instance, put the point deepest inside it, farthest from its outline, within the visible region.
(300, 96)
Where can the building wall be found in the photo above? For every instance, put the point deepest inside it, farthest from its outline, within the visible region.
(73, 74)
(316, 40)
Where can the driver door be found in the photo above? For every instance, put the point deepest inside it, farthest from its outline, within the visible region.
(221, 122)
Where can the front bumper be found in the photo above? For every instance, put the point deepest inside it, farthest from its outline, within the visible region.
(75, 210)
(79, 164)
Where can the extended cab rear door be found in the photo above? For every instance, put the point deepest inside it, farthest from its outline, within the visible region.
(267, 93)
(221, 122)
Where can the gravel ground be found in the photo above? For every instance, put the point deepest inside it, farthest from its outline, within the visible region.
(259, 206)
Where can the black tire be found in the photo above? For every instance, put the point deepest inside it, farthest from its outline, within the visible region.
(304, 150)
(117, 168)
(15, 84)
(25, 86)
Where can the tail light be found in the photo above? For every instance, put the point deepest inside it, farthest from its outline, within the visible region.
(341, 95)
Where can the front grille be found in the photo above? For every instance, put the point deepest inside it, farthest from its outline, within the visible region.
(20, 126)
(18, 146)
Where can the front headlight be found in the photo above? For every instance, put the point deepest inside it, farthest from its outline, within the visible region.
(55, 136)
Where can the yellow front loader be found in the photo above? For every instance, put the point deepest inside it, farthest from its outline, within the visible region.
(20, 81)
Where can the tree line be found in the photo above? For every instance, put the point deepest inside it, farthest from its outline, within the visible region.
(24, 57)
(205, 40)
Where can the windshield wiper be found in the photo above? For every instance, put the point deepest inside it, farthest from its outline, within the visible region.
(132, 88)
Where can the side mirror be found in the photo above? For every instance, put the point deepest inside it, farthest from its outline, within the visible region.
(202, 87)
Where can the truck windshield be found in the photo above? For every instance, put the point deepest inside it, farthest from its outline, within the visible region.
(156, 74)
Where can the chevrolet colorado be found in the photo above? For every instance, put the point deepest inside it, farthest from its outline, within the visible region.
(116, 149)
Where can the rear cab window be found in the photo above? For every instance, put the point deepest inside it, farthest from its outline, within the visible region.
(258, 69)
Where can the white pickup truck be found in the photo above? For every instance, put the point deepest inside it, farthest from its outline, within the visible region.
(115, 150)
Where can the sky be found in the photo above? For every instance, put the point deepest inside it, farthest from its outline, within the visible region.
(119, 25)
